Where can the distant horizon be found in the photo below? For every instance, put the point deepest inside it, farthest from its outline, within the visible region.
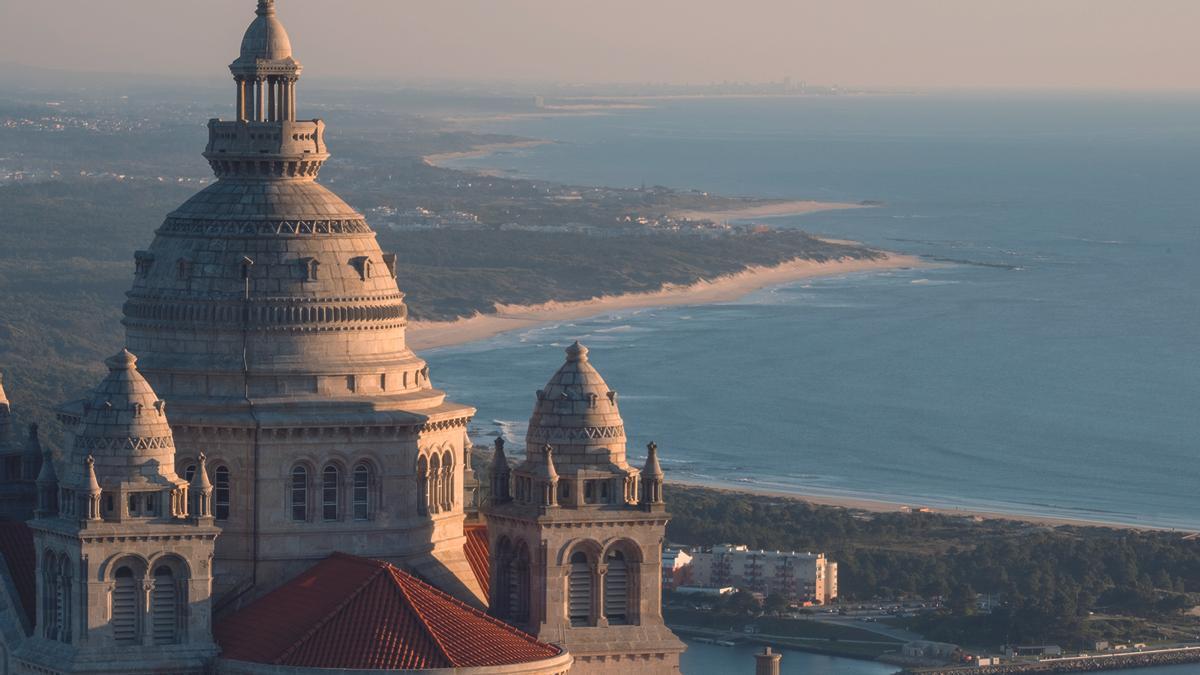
(925, 45)
(10, 71)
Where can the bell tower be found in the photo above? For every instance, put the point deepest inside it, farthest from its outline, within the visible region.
(124, 570)
(576, 540)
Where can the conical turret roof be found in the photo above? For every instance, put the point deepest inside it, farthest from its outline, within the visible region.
(124, 428)
(3, 396)
(577, 413)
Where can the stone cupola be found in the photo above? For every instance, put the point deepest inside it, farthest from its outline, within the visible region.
(577, 422)
(123, 445)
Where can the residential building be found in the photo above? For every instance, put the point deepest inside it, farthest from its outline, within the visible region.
(797, 576)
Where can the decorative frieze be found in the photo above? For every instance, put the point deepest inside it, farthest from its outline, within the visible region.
(258, 228)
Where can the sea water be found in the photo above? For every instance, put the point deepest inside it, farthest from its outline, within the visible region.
(1048, 364)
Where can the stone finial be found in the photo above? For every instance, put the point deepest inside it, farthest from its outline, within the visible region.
(47, 488)
(200, 492)
(200, 480)
(546, 470)
(265, 8)
(652, 468)
(652, 481)
(500, 474)
(90, 484)
(577, 352)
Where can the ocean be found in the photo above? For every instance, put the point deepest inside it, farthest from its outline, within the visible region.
(1047, 366)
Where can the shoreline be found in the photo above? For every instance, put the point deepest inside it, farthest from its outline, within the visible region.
(883, 505)
(727, 288)
(437, 158)
(795, 207)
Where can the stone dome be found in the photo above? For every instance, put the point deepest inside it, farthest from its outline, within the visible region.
(576, 413)
(265, 39)
(124, 428)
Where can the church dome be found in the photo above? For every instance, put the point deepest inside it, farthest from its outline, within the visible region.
(265, 39)
(124, 428)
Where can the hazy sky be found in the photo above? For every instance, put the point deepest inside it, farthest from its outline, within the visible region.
(907, 43)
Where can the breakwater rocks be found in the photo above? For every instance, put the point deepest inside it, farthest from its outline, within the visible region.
(1080, 665)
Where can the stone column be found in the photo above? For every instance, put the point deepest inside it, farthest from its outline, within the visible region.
(147, 608)
(241, 98)
(767, 663)
(598, 594)
(258, 99)
(272, 97)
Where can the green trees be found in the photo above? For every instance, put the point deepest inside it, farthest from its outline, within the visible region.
(1044, 581)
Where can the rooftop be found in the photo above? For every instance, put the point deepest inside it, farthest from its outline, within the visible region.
(354, 613)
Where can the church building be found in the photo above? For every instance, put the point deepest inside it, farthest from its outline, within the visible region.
(267, 481)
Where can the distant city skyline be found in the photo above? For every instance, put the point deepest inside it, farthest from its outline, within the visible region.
(1060, 44)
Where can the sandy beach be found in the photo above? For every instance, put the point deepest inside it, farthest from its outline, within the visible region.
(788, 208)
(480, 151)
(432, 334)
(883, 506)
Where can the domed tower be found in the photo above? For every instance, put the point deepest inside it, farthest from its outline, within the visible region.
(577, 541)
(124, 571)
(265, 312)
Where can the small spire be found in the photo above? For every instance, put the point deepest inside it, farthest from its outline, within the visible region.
(3, 396)
(47, 474)
(265, 8)
(546, 468)
(90, 484)
(652, 468)
(200, 479)
(577, 352)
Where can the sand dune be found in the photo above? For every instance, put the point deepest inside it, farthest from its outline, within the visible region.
(431, 334)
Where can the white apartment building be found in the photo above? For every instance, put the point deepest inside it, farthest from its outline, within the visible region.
(798, 576)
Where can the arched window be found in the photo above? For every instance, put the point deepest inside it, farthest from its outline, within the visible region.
(164, 607)
(64, 599)
(125, 614)
(300, 493)
(189, 472)
(501, 580)
(221, 492)
(435, 483)
(330, 492)
(518, 592)
(50, 596)
(616, 589)
(579, 590)
(362, 492)
(422, 486)
(447, 481)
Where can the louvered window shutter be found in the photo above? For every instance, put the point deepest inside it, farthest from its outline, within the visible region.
(125, 608)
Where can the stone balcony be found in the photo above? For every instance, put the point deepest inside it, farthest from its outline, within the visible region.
(282, 149)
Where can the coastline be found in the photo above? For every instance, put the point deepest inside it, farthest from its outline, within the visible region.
(434, 334)
(797, 207)
(484, 150)
(885, 506)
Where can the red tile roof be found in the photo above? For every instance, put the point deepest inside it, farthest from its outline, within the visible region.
(478, 554)
(351, 612)
(16, 545)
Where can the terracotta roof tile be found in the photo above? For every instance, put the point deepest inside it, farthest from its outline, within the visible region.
(478, 554)
(351, 612)
(16, 545)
